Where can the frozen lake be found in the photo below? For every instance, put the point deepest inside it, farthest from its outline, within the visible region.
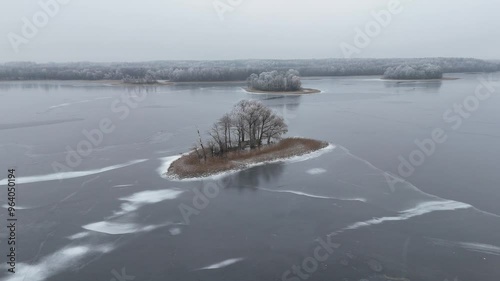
(410, 190)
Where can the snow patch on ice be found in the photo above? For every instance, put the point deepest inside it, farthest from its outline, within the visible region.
(222, 264)
(165, 165)
(316, 171)
(481, 248)
(70, 175)
(139, 199)
(419, 210)
(470, 246)
(116, 228)
(175, 231)
(54, 263)
(17, 207)
(79, 235)
(123, 185)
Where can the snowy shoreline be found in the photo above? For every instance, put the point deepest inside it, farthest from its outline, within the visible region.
(168, 161)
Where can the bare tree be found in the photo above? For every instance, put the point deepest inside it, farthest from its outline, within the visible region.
(255, 120)
(217, 134)
(277, 128)
(249, 120)
(226, 123)
(202, 147)
(195, 148)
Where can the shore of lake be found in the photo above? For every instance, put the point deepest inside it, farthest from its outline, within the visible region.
(301, 92)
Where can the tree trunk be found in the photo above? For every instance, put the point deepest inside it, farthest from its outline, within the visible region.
(202, 147)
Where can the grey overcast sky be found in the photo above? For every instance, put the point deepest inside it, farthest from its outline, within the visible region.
(133, 30)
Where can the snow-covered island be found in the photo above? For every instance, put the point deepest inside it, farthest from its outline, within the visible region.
(251, 134)
(278, 83)
(414, 72)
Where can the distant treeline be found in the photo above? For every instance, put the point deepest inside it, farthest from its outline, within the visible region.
(237, 70)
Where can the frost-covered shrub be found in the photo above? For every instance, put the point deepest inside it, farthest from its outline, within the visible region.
(275, 81)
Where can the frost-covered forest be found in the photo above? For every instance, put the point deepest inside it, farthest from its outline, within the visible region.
(237, 70)
(275, 81)
(424, 71)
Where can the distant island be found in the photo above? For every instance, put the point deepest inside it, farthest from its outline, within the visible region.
(414, 72)
(277, 82)
(250, 134)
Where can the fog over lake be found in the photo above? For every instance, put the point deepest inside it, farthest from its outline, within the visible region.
(117, 30)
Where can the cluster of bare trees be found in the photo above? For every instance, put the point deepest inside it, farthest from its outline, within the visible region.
(250, 124)
(236, 70)
(424, 71)
(275, 81)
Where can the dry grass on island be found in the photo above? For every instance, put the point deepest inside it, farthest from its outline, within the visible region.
(190, 166)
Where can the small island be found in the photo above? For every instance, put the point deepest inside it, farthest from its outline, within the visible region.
(414, 72)
(250, 134)
(275, 82)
